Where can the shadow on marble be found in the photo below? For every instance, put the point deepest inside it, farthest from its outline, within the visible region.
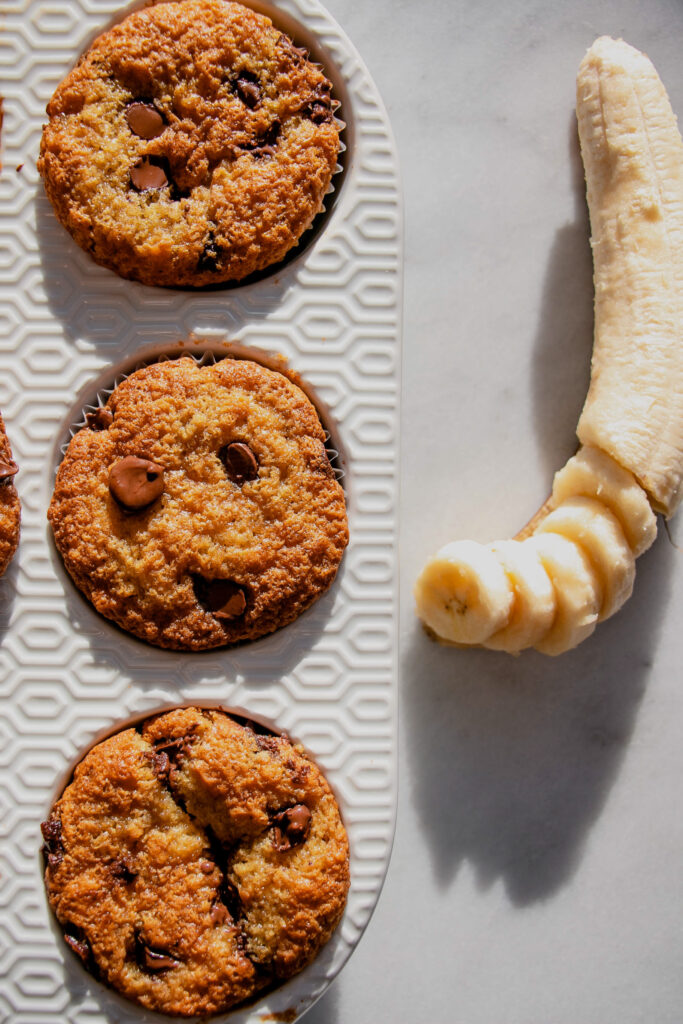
(564, 335)
(510, 761)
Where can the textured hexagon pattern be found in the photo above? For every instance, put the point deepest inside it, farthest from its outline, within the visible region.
(68, 328)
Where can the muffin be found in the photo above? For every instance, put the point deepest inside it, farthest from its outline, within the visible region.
(196, 860)
(192, 144)
(199, 508)
(9, 502)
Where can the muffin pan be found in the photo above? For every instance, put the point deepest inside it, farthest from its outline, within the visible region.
(332, 313)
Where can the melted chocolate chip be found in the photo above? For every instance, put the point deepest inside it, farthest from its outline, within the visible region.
(148, 173)
(100, 419)
(210, 257)
(8, 469)
(319, 112)
(264, 145)
(123, 870)
(225, 599)
(229, 896)
(291, 826)
(135, 483)
(161, 765)
(174, 749)
(240, 462)
(153, 960)
(248, 89)
(80, 946)
(144, 120)
(54, 844)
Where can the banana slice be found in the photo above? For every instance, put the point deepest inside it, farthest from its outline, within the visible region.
(596, 530)
(463, 593)
(534, 605)
(577, 592)
(594, 474)
(633, 157)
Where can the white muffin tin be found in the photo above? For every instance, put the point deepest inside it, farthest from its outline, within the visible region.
(68, 329)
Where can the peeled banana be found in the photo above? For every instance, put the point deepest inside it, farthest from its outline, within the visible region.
(575, 564)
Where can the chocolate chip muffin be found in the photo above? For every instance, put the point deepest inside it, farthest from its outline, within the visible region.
(194, 861)
(198, 507)
(9, 502)
(192, 144)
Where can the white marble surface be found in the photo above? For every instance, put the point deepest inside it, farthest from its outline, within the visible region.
(536, 875)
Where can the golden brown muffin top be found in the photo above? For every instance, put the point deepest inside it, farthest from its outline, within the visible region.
(242, 524)
(196, 860)
(192, 144)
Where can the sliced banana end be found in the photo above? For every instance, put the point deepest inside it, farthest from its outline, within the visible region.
(577, 592)
(596, 530)
(534, 605)
(592, 473)
(463, 594)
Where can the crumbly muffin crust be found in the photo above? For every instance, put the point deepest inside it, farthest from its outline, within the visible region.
(192, 144)
(228, 548)
(9, 502)
(195, 861)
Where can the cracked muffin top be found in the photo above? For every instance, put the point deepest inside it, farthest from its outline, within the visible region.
(192, 144)
(9, 502)
(194, 861)
(199, 508)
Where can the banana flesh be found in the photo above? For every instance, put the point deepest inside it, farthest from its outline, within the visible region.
(465, 595)
(594, 474)
(534, 601)
(576, 562)
(596, 532)
(633, 157)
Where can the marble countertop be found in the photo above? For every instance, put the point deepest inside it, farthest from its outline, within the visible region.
(536, 874)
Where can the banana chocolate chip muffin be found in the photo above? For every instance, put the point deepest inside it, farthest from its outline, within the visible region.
(192, 144)
(195, 861)
(9, 502)
(199, 508)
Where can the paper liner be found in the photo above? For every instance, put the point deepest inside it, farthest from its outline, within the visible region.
(208, 357)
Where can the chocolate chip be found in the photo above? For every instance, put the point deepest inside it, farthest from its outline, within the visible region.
(210, 257)
(8, 469)
(80, 946)
(271, 134)
(207, 867)
(264, 145)
(161, 765)
(174, 749)
(240, 462)
(229, 896)
(123, 870)
(144, 120)
(54, 844)
(153, 960)
(100, 419)
(248, 89)
(291, 826)
(148, 173)
(225, 599)
(319, 112)
(135, 483)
